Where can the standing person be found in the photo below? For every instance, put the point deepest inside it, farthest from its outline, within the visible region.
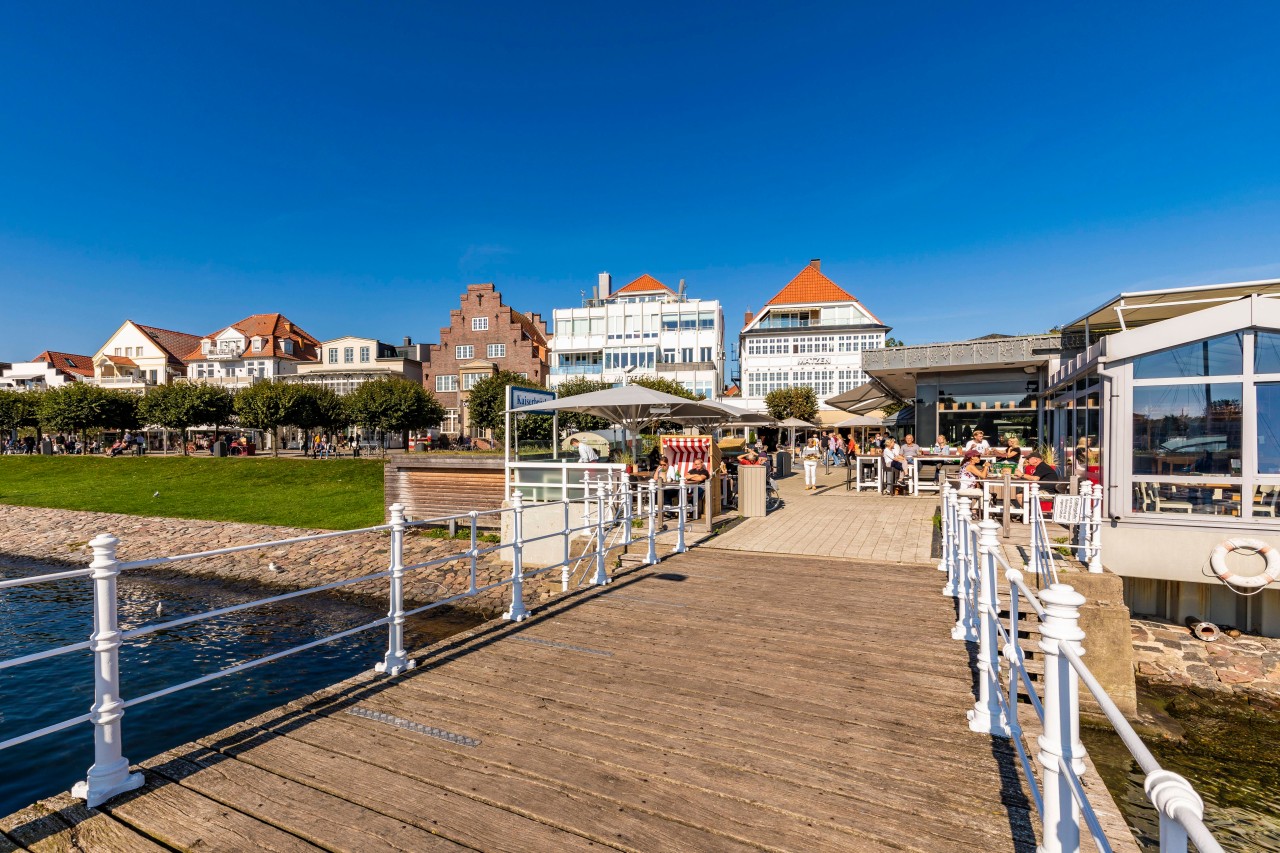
(894, 465)
(978, 443)
(586, 453)
(809, 459)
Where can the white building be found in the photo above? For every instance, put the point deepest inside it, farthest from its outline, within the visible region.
(136, 357)
(643, 329)
(346, 363)
(262, 346)
(812, 333)
(47, 370)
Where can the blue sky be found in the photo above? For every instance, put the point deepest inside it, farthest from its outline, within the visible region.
(961, 168)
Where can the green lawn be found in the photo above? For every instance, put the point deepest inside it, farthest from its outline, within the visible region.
(334, 494)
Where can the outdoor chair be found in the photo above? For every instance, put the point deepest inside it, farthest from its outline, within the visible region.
(1160, 504)
(1269, 495)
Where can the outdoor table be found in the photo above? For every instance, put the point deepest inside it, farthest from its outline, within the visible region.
(864, 468)
(919, 485)
(989, 488)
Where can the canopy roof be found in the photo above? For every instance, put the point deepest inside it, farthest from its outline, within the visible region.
(633, 404)
(858, 401)
(1140, 308)
(860, 421)
(797, 423)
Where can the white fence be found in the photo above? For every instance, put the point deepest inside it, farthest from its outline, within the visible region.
(609, 512)
(974, 562)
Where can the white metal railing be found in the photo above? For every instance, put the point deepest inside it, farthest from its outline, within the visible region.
(974, 561)
(560, 480)
(611, 507)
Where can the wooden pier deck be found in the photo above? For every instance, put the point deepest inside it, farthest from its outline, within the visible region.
(722, 700)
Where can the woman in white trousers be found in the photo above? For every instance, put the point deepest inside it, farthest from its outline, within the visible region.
(809, 458)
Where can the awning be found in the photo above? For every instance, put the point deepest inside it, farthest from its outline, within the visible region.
(865, 398)
(860, 421)
(24, 375)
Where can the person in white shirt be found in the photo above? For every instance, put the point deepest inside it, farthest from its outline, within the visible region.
(894, 465)
(978, 443)
(586, 453)
(809, 457)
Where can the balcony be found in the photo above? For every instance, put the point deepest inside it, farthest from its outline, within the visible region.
(675, 366)
(222, 381)
(223, 354)
(577, 370)
(120, 381)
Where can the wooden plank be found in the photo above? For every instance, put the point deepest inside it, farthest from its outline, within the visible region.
(322, 819)
(179, 817)
(63, 824)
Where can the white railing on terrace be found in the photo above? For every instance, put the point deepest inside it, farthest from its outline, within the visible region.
(974, 561)
(560, 480)
(608, 509)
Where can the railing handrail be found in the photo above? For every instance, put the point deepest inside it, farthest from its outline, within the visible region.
(1059, 795)
(614, 499)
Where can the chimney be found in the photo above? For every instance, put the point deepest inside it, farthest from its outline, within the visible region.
(816, 263)
(746, 320)
(680, 290)
(606, 285)
(408, 341)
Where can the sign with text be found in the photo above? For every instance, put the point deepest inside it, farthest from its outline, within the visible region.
(1068, 509)
(519, 397)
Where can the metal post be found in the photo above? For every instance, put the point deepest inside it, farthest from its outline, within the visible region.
(109, 774)
(626, 509)
(946, 526)
(517, 613)
(396, 661)
(1095, 530)
(964, 629)
(1013, 655)
(602, 550)
(1004, 504)
(681, 491)
(1170, 794)
(1078, 532)
(564, 569)
(1036, 563)
(652, 557)
(986, 716)
(472, 551)
(1061, 738)
(951, 515)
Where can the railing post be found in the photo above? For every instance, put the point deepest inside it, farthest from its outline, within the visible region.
(651, 558)
(564, 569)
(1036, 563)
(1079, 535)
(602, 550)
(683, 493)
(472, 551)
(1061, 738)
(1170, 794)
(626, 509)
(946, 526)
(109, 774)
(964, 628)
(1095, 529)
(1013, 654)
(517, 613)
(950, 514)
(396, 661)
(986, 716)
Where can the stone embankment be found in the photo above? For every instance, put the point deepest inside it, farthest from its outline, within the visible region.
(1247, 665)
(61, 537)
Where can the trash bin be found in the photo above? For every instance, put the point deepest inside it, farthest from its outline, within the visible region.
(782, 463)
(752, 480)
(219, 448)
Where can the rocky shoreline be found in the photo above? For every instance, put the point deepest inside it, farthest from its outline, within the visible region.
(1246, 667)
(61, 537)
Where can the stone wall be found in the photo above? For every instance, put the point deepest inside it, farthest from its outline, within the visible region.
(61, 537)
(1247, 665)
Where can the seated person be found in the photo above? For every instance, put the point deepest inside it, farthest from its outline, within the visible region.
(1011, 452)
(1037, 471)
(750, 457)
(695, 476)
(894, 465)
(973, 472)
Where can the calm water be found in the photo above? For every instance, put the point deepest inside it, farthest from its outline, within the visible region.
(46, 692)
(1231, 754)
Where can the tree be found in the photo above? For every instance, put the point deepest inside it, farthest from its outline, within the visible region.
(891, 341)
(800, 402)
(578, 421)
(264, 406)
(183, 405)
(666, 386)
(79, 406)
(19, 409)
(394, 405)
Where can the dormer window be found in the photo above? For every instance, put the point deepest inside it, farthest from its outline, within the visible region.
(286, 344)
(257, 344)
(204, 345)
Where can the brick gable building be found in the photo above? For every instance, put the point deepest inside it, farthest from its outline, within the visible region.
(483, 337)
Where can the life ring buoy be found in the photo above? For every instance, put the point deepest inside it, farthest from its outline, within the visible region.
(1218, 563)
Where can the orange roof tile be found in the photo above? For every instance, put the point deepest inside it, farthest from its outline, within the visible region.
(273, 327)
(644, 284)
(175, 344)
(811, 287)
(120, 360)
(81, 365)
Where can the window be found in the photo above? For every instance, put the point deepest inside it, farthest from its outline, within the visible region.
(686, 355)
(333, 355)
(1266, 353)
(348, 355)
(116, 351)
(1187, 429)
(447, 383)
(1220, 356)
(669, 356)
(469, 380)
(128, 351)
(523, 375)
(257, 344)
(479, 324)
(496, 351)
(704, 354)
(137, 351)
(364, 355)
(464, 353)
(287, 345)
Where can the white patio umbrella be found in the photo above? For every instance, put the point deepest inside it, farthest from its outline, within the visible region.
(794, 424)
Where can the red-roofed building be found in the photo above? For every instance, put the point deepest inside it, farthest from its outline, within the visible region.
(643, 328)
(50, 369)
(136, 357)
(261, 346)
(811, 333)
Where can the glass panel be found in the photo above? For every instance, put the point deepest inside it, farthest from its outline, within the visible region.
(1266, 352)
(1193, 497)
(1265, 501)
(1187, 429)
(1223, 355)
(1268, 428)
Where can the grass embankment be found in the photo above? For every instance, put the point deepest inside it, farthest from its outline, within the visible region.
(334, 494)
